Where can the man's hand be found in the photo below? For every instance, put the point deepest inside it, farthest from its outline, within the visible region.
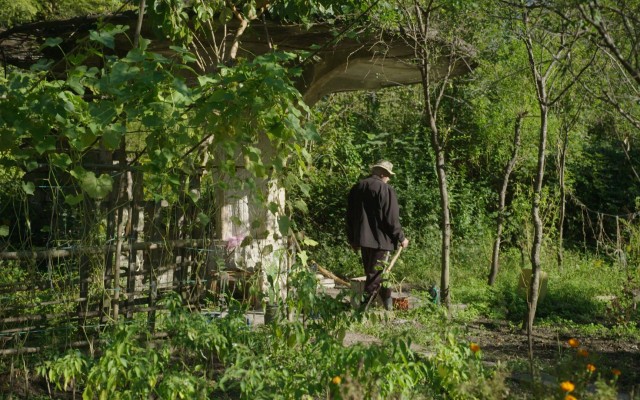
(405, 243)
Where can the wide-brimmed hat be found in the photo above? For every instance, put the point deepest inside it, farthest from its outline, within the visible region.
(384, 164)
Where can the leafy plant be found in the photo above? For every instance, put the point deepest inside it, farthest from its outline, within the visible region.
(67, 372)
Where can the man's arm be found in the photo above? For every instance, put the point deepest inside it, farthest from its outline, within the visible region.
(392, 217)
(351, 219)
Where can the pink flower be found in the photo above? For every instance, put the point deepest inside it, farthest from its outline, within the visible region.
(234, 241)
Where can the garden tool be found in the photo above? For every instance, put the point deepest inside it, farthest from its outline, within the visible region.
(386, 270)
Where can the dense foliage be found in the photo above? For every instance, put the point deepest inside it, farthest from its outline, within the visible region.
(172, 116)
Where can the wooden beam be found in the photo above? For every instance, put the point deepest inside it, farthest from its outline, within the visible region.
(40, 253)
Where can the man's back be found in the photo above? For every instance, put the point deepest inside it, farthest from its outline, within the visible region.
(373, 215)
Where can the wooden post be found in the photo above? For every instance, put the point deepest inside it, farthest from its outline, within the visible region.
(153, 258)
(115, 299)
(112, 223)
(123, 205)
(135, 208)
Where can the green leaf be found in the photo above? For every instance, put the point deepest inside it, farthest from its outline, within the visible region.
(249, 10)
(301, 205)
(112, 136)
(48, 143)
(96, 187)
(284, 223)
(309, 242)
(220, 96)
(273, 207)
(77, 58)
(304, 188)
(204, 218)
(204, 80)
(74, 83)
(31, 165)
(103, 112)
(60, 160)
(67, 98)
(28, 187)
(302, 255)
(225, 15)
(106, 36)
(152, 120)
(51, 42)
(72, 200)
(4, 230)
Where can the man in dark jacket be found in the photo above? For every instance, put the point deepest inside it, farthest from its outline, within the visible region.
(373, 226)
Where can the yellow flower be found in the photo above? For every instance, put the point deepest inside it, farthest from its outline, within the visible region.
(583, 353)
(567, 386)
(336, 380)
(570, 397)
(474, 347)
(616, 372)
(573, 342)
(591, 368)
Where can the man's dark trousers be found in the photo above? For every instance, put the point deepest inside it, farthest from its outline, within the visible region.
(372, 258)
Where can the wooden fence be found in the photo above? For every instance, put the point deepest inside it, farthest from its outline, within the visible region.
(36, 314)
(64, 296)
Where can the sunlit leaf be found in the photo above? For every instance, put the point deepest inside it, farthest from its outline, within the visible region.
(28, 187)
(95, 187)
(60, 160)
(303, 256)
(204, 218)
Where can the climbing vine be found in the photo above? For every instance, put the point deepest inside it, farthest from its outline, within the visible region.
(144, 98)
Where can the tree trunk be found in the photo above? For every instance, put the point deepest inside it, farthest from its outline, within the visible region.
(495, 263)
(433, 95)
(536, 249)
(540, 81)
(563, 198)
(446, 224)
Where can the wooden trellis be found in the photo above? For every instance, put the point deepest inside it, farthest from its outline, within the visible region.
(151, 248)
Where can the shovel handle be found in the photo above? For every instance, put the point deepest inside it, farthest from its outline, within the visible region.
(393, 260)
(384, 271)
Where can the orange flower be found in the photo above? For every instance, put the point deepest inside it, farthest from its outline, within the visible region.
(567, 386)
(591, 368)
(474, 347)
(616, 372)
(573, 342)
(570, 397)
(336, 380)
(583, 353)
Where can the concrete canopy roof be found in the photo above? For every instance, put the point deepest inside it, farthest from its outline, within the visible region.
(346, 64)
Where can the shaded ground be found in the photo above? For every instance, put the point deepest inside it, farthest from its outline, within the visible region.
(499, 341)
(502, 342)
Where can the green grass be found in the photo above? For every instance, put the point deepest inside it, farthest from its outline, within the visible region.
(571, 304)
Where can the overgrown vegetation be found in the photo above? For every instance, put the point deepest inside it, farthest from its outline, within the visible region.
(187, 120)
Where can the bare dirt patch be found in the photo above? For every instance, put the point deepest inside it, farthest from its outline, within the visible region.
(503, 342)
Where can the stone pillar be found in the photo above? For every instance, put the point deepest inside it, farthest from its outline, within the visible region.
(247, 229)
(247, 225)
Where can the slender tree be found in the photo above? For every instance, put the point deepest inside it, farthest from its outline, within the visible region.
(432, 29)
(548, 43)
(495, 257)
